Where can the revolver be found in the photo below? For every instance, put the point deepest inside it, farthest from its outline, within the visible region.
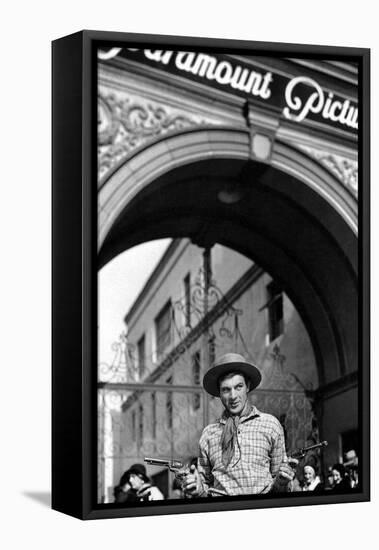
(300, 453)
(176, 466)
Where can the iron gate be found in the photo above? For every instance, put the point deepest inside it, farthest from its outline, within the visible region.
(163, 412)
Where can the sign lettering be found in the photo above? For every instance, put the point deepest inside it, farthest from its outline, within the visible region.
(300, 98)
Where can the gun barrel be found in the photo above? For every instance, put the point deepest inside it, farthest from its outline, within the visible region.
(163, 462)
(302, 452)
(156, 461)
(321, 444)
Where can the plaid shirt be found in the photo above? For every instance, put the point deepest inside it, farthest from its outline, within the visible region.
(256, 460)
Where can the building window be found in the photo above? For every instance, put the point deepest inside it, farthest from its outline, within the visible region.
(141, 357)
(163, 330)
(212, 350)
(169, 411)
(140, 415)
(275, 310)
(212, 355)
(134, 425)
(196, 373)
(153, 415)
(187, 300)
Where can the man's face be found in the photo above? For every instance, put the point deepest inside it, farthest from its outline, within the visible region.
(233, 393)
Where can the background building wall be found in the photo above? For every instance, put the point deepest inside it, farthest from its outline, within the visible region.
(287, 363)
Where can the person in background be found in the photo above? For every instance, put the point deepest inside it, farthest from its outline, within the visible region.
(141, 484)
(312, 482)
(341, 482)
(351, 465)
(329, 480)
(123, 492)
(354, 477)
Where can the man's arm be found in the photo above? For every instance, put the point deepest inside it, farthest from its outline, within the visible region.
(199, 479)
(278, 450)
(204, 467)
(280, 466)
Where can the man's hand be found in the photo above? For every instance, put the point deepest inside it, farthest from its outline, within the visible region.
(286, 474)
(192, 485)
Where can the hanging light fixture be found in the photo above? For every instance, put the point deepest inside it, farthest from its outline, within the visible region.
(230, 193)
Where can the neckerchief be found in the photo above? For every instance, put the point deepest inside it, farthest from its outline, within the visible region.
(229, 433)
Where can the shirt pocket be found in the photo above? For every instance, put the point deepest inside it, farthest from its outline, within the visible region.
(256, 447)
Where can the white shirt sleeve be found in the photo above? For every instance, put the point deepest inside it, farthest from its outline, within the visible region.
(155, 494)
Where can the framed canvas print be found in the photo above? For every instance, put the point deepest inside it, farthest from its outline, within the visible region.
(210, 275)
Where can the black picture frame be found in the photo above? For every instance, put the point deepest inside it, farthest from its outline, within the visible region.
(74, 333)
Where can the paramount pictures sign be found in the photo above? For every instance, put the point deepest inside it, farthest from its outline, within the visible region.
(300, 98)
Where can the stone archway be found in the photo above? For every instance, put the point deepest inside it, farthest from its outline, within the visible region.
(295, 219)
(149, 162)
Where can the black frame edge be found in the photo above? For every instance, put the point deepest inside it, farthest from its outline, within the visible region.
(89, 296)
(73, 172)
(253, 46)
(364, 173)
(67, 385)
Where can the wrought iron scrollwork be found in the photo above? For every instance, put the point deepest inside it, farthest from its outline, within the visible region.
(123, 367)
(207, 300)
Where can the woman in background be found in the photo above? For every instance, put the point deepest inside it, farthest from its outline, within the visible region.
(312, 482)
(341, 482)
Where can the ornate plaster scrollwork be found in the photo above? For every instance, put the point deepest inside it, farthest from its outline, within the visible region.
(125, 123)
(346, 170)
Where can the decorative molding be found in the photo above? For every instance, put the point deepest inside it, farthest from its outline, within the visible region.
(346, 170)
(125, 123)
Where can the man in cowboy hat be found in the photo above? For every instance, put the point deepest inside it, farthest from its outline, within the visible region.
(244, 451)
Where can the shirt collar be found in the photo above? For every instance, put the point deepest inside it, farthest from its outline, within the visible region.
(254, 412)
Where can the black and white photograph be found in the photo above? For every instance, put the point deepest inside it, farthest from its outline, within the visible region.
(229, 275)
(189, 299)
